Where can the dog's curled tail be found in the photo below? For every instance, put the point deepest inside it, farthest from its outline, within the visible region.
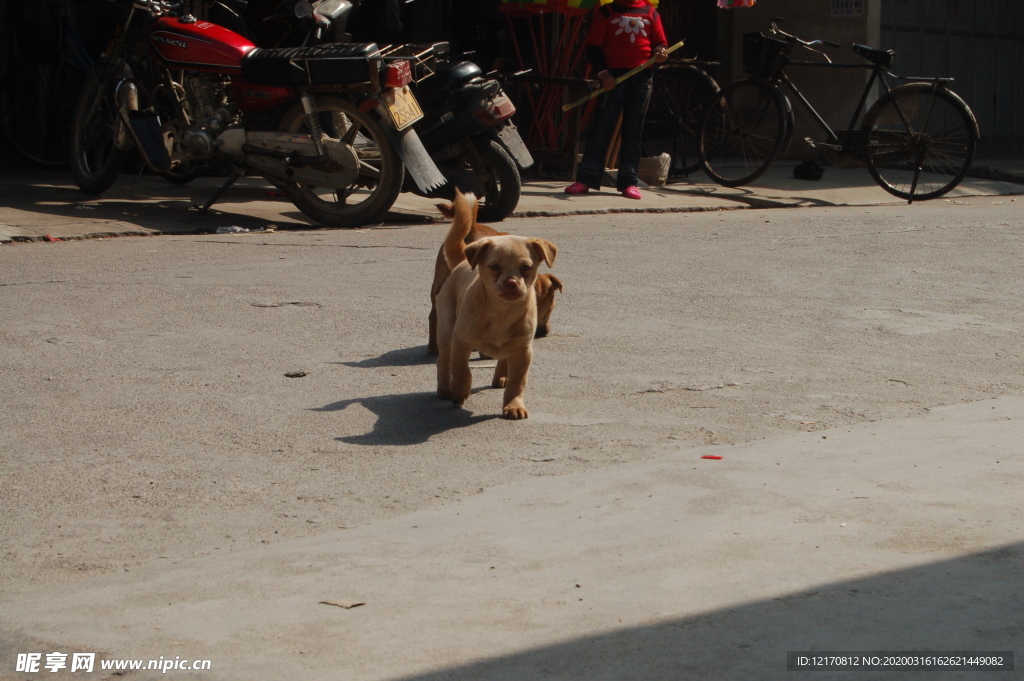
(463, 214)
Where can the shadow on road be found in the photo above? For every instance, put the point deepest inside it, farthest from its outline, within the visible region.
(151, 202)
(403, 357)
(968, 603)
(407, 419)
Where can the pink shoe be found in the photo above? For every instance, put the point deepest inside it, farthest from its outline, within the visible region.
(631, 193)
(577, 188)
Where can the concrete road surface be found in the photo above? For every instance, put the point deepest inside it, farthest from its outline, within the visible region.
(168, 491)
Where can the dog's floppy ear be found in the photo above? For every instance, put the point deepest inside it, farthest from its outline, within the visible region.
(447, 210)
(551, 282)
(545, 250)
(476, 251)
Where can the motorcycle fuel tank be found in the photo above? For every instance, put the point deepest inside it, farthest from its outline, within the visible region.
(186, 43)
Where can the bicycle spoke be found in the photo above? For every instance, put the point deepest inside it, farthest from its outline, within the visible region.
(920, 142)
(742, 133)
(681, 94)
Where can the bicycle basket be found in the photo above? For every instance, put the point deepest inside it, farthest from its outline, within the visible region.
(762, 55)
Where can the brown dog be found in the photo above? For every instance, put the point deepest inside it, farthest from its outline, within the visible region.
(489, 302)
(546, 284)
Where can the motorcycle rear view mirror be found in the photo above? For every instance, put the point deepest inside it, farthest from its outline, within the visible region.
(332, 9)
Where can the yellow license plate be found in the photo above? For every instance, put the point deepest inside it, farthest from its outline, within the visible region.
(403, 107)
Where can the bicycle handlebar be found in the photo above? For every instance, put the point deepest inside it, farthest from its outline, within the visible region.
(804, 43)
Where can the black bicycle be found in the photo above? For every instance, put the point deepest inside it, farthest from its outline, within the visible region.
(918, 139)
(682, 91)
(37, 97)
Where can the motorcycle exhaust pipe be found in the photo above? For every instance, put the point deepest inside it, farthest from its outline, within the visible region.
(143, 127)
(126, 98)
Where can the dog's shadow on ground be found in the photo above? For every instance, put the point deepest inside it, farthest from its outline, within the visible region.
(407, 418)
(403, 357)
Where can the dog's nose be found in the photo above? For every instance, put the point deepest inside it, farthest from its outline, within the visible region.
(511, 284)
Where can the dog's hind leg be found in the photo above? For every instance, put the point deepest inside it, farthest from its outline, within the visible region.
(500, 374)
(444, 362)
(432, 330)
(461, 376)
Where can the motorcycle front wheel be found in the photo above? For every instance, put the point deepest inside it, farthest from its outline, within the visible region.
(95, 159)
(379, 180)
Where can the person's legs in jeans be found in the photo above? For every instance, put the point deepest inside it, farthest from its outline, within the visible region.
(591, 169)
(637, 93)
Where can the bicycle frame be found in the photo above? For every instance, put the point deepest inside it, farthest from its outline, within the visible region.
(918, 133)
(780, 79)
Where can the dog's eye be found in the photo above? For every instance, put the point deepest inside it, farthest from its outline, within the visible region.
(495, 267)
(525, 268)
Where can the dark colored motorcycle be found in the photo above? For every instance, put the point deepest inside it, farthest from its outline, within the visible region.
(182, 90)
(467, 125)
(468, 130)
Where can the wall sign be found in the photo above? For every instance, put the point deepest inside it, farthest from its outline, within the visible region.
(847, 8)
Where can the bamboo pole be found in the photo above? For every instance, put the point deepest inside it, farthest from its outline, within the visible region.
(628, 74)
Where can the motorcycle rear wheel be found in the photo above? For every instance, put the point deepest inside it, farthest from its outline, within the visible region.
(95, 159)
(499, 180)
(374, 191)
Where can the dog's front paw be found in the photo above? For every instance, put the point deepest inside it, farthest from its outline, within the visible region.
(444, 393)
(515, 410)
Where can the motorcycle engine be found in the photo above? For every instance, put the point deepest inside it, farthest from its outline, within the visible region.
(205, 93)
(208, 107)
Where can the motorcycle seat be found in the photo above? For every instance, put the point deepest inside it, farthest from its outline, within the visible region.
(331, 64)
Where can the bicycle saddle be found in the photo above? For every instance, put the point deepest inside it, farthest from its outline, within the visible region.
(883, 58)
(320, 65)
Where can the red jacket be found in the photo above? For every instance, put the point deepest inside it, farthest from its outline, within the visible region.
(623, 34)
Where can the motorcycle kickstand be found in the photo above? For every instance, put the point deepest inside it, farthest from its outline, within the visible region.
(220, 192)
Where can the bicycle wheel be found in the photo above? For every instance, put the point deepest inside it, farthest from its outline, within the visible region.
(680, 96)
(36, 102)
(920, 141)
(380, 178)
(742, 132)
(96, 161)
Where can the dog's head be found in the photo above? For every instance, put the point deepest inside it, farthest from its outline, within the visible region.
(546, 286)
(508, 264)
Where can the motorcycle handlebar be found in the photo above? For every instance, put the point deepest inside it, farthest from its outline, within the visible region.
(157, 8)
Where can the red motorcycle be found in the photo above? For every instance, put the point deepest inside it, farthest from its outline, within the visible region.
(183, 91)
